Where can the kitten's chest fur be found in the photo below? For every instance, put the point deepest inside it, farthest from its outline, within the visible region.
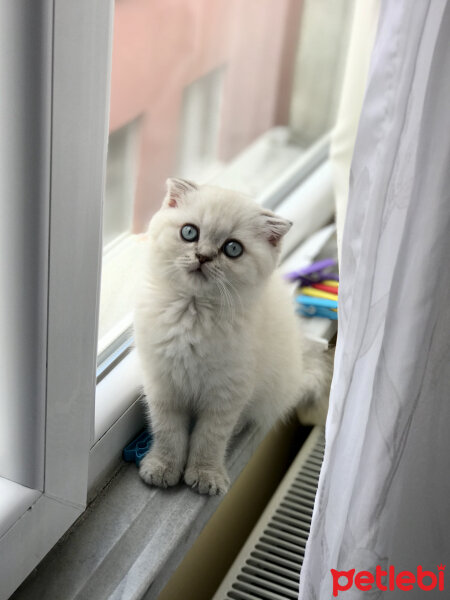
(199, 347)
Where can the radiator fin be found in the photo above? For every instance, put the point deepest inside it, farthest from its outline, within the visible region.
(269, 565)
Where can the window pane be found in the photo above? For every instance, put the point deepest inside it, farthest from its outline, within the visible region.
(229, 92)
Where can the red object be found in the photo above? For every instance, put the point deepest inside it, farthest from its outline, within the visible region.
(326, 288)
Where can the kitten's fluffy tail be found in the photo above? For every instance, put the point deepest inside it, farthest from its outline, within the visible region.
(317, 375)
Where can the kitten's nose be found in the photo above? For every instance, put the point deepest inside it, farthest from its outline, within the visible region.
(202, 258)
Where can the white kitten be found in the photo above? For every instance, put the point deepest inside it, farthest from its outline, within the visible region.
(216, 333)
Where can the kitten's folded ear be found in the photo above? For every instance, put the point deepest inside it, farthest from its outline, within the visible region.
(274, 227)
(177, 190)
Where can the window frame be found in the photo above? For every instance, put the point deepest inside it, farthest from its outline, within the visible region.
(80, 72)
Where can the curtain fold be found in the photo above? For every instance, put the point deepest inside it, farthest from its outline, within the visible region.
(384, 491)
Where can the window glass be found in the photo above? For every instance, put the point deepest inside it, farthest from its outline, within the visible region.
(230, 92)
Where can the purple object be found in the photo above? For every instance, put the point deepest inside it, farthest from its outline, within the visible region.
(314, 272)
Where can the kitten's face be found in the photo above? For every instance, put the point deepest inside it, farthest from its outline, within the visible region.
(209, 241)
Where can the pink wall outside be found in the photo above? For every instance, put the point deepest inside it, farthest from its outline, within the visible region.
(160, 46)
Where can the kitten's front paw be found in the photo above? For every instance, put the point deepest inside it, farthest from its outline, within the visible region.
(156, 471)
(207, 481)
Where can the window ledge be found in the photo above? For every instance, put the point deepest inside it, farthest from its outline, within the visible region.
(130, 538)
(15, 499)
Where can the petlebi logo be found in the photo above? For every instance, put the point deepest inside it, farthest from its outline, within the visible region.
(388, 580)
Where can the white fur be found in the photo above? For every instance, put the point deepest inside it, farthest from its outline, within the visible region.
(220, 346)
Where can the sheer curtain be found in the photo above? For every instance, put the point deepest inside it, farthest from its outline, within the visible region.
(384, 493)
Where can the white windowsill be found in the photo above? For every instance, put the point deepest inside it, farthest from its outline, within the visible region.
(15, 499)
(130, 538)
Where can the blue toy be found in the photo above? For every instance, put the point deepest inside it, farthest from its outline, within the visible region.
(138, 448)
(317, 307)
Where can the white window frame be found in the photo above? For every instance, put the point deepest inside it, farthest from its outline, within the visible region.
(79, 62)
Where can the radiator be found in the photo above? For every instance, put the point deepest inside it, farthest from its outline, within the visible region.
(269, 564)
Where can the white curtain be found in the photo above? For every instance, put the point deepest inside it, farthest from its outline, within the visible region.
(384, 492)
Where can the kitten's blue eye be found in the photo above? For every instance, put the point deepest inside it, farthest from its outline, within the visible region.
(232, 249)
(189, 233)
